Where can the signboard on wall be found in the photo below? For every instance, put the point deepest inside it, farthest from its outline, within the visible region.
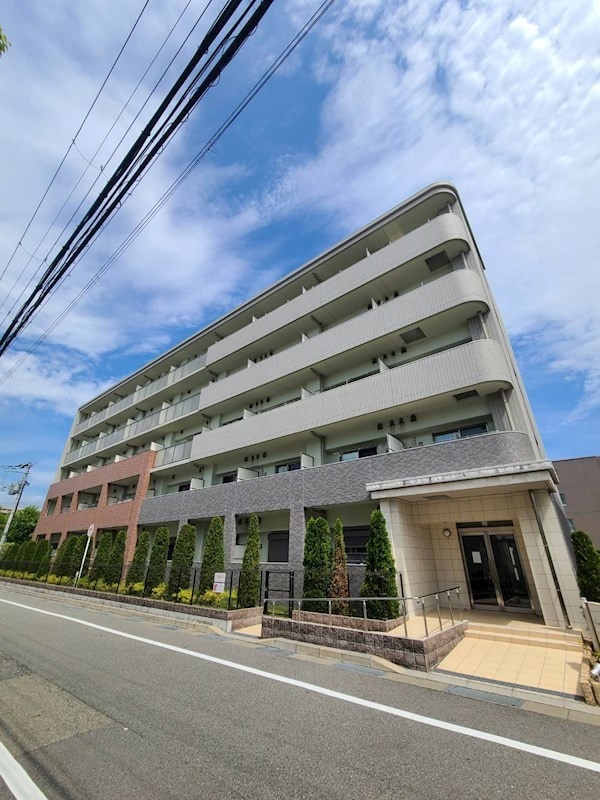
(219, 582)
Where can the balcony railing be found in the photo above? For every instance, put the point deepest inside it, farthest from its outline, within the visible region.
(170, 378)
(158, 418)
(177, 452)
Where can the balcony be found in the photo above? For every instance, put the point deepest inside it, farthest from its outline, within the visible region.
(135, 429)
(346, 481)
(177, 452)
(462, 288)
(478, 363)
(170, 379)
(447, 228)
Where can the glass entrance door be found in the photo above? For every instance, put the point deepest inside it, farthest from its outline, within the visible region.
(494, 570)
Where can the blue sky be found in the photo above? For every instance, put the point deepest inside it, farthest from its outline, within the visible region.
(501, 98)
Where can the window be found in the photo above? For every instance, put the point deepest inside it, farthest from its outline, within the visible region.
(363, 452)
(356, 544)
(278, 546)
(460, 433)
(184, 487)
(229, 477)
(289, 467)
(437, 261)
(51, 508)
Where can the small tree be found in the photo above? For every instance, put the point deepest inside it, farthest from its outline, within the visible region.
(114, 568)
(183, 556)
(158, 559)
(78, 552)
(249, 588)
(380, 572)
(26, 556)
(23, 524)
(9, 555)
(317, 561)
(64, 558)
(101, 557)
(4, 43)
(339, 576)
(137, 570)
(43, 556)
(213, 555)
(587, 560)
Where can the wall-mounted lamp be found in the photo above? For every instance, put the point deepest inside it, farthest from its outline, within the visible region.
(447, 533)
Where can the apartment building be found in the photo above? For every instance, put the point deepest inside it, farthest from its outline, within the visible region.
(580, 493)
(378, 374)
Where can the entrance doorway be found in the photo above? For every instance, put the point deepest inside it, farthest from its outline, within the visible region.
(494, 571)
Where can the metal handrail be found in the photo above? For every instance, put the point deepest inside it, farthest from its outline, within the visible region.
(419, 599)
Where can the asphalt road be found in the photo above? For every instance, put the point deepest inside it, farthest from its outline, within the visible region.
(90, 714)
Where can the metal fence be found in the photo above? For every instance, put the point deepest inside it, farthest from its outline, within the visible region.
(430, 615)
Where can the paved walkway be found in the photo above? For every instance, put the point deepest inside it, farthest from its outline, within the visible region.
(516, 650)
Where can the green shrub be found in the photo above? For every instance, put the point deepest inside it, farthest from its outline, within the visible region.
(339, 576)
(317, 563)
(184, 596)
(587, 560)
(9, 555)
(217, 599)
(158, 559)
(114, 568)
(26, 555)
(63, 565)
(101, 558)
(380, 571)
(213, 556)
(249, 588)
(45, 557)
(137, 570)
(160, 592)
(183, 556)
(136, 589)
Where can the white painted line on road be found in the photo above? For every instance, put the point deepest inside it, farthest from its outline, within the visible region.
(16, 779)
(525, 747)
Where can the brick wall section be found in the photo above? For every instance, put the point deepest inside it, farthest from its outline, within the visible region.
(421, 654)
(119, 515)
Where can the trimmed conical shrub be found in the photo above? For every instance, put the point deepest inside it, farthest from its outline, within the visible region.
(137, 570)
(249, 587)
(78, 552)
(380, 572)
(9, 555)
(100, 562)
(43, 556)
(183, 557)
(587, 560)
(317, 563)
(158, 559)
(26, 556)
(64, 558)
(114, 568)
(213, 555)
(339, 575)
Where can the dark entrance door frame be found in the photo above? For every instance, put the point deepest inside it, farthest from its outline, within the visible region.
(481, 566)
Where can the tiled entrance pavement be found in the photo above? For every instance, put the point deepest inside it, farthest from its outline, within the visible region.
(517, 650)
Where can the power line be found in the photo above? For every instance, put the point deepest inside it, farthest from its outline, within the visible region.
(145, 221)
(121, 182)
(119, 143)
(64, 158)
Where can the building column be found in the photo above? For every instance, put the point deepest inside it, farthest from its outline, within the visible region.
(561, 558)
(229, 534)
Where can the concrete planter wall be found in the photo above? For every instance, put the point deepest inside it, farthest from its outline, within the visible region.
(422, 654)
(354, 623)
(226, 620)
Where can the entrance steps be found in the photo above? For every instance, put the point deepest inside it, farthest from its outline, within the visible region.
(532, 635)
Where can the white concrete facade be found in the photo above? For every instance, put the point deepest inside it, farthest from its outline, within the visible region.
(373, 373)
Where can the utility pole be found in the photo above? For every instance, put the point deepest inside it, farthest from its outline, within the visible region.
(16, 488)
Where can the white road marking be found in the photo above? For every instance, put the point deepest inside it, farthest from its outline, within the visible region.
(524, 747)
(16, 779)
